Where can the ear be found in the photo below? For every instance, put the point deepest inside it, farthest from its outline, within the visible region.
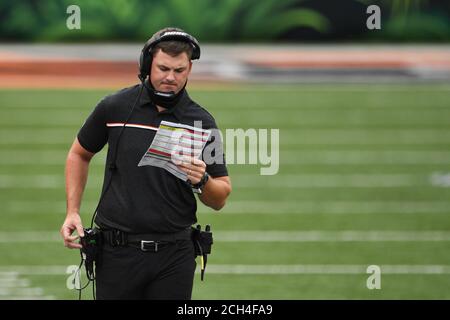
(190, 66)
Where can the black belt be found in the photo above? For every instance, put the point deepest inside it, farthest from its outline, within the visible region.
(144, 241)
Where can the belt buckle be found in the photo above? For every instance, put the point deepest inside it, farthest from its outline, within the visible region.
(144, 242)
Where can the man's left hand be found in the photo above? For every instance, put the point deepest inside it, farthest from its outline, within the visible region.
(194, 168)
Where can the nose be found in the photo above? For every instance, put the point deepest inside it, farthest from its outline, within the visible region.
(170, 76)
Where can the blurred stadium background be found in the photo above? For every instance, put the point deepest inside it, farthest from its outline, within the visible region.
(364, 140)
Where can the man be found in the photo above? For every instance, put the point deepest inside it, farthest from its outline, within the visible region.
(145, 212)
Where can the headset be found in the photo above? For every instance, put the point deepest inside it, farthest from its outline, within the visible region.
(168, 34)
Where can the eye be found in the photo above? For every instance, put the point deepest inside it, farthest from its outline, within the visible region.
(180, 70)
(162, 68)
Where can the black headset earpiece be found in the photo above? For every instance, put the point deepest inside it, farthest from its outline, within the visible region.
(142, 66)
(145, 58)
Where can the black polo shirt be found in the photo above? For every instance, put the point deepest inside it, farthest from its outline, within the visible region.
(147, 198)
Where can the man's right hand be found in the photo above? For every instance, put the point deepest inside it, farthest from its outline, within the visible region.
(72, 223)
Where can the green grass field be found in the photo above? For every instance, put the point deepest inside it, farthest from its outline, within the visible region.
(363, 180)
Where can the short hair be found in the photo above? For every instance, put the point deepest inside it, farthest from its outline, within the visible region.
(172, 47)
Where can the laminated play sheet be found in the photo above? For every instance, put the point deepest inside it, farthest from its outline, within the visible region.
(173, 142)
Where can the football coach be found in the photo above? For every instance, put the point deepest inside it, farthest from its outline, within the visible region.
(145, 213)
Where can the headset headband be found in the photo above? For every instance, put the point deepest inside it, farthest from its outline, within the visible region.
(177, 35)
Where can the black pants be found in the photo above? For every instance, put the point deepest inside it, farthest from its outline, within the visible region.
(129, 273)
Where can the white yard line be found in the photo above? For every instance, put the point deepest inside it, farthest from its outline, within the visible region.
(24, 297)
(312, 116)
(14, 283)
(330, 236)
(39, 181)
(263, 207)
(21, 291)
(268, 236)
(40, 157)
(326, 269)
(12, 286)
(264, 269)
(308, 181)
(331, 207)
(286, 157)
(329, 180)
(29, 236)
(365, 137)
(355, 157)
(317, 135)
(8, 275)
(35, 269)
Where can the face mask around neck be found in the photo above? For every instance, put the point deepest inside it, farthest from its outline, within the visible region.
(167, 100)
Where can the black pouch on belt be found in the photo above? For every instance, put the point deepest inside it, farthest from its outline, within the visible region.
(91, 243)
(203, 241)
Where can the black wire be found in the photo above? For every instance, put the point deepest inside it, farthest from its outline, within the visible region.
(93, 290)
(112, 165)
(79, 273)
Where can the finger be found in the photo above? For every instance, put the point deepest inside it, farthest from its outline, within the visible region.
(66, 231)
(176, 160)
(186, 159)
(187, 168)
(72, 245)
(198, 162)
(191, 161)
(80, 230)
(192, 168)
(194, 178)
(186, 164)
(194, 174)
(198, 173)
(195, 162)
(71, 238)
(184, 169)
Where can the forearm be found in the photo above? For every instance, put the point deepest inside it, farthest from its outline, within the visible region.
(76, 174)
(215, 193)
